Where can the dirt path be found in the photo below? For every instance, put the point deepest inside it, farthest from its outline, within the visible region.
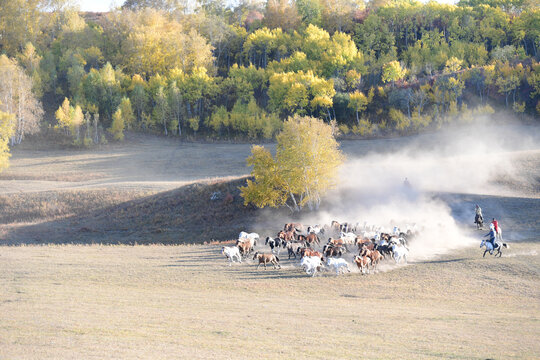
(155, 163)
(147, 163)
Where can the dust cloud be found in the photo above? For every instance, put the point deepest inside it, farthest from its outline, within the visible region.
(460, 160)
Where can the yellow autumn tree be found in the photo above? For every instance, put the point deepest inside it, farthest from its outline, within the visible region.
(359, 102)
(64, 116)
(7, 128)
(127, 112)
(393, 72)
(304, 169)
(70, 119)
(117, 126)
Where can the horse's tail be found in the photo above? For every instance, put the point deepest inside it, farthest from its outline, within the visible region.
(276, 258)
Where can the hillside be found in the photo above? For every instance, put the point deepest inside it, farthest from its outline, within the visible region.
(183, 215)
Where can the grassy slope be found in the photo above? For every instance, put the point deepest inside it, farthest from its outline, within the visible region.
(185, 302)
(183, 215)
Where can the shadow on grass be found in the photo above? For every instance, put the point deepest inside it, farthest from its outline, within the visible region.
(182, 266)
(276, 274)
(185, 215)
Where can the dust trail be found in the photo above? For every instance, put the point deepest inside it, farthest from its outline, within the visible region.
(522, 253)
(460, 160)
(445, 171)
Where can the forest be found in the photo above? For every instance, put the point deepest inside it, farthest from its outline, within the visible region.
(236, 70)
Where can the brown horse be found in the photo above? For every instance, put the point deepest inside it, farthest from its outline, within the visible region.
(336, 242)
(366, 245)
(305, 251)
(335, 227)
(330, 250)
(294, 227)
(362, 262)
(267, 259)
(374, 255)
(286, 235)
(308, 240)
(245, 246)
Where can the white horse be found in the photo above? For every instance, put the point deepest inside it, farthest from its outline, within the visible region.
(231, 252)
(244, 236)
(338, 264)
(348, 238)
(315, 229)
(311, 264)
(400, 252)
(489, 247)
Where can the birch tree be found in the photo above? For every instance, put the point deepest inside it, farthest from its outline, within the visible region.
(304, 169)
(6, 130)
(17, 98)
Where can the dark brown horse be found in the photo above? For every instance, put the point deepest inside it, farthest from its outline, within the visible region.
(330, 250)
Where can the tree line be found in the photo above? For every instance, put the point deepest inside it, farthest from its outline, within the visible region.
(238, 70)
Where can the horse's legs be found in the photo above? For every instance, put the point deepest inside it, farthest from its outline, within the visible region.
(485, 253)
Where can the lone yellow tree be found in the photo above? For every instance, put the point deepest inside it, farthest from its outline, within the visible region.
(304, 169)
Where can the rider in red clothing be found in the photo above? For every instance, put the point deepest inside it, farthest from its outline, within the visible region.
(496, 225)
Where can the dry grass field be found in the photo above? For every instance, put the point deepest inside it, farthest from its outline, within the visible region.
(95, 302)
(76, 283)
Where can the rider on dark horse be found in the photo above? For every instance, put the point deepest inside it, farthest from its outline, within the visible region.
(478, 219)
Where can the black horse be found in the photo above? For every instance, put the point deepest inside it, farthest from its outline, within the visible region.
(479, 221)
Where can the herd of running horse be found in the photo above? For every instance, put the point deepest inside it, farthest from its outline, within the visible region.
(369, 245)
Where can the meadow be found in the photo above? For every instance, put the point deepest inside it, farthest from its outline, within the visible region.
(91, 302)
(75, 281)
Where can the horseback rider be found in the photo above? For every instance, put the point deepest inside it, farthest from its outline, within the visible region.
(406, 183)
(492, 235)
(478, 218)
(497, 229)
(495, 225)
